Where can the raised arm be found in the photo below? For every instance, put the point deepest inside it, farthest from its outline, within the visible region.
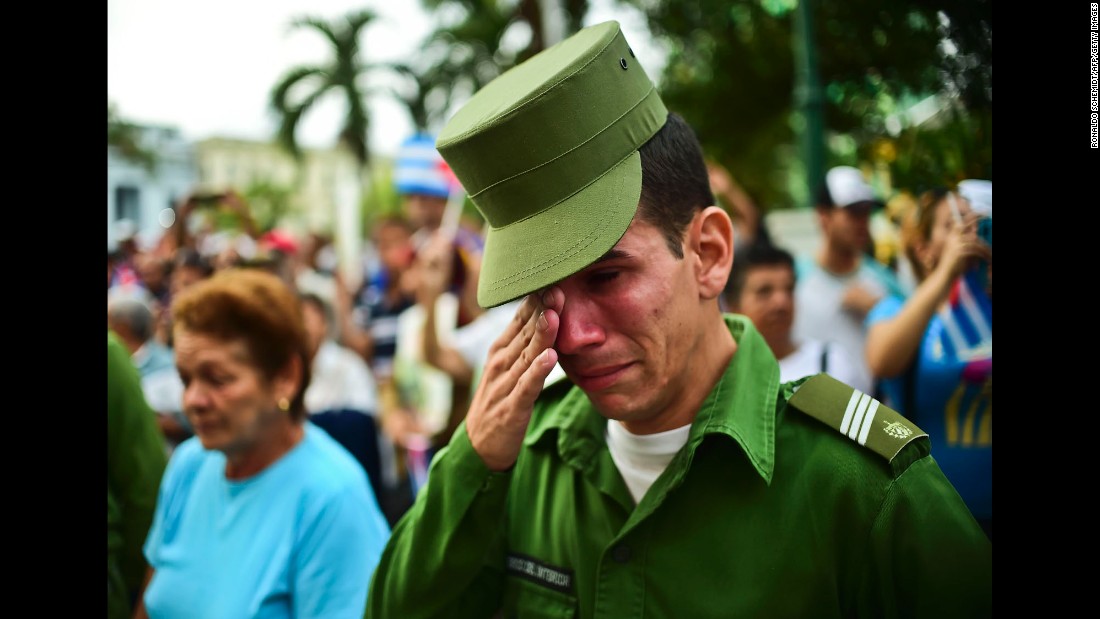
(743, 209)
(436, 263)
(445, 557)
(892, 343)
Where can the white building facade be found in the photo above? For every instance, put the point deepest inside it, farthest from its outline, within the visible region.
(317, 185)
(140, 193)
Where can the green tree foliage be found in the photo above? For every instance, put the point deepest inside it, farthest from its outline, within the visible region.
(300, 89)
(125, 138)
(730, 73)
(268, 202)
(476, 42)
(958, 148)
(426, 93)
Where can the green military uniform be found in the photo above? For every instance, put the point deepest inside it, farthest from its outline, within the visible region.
(783, 503)
(135, 463)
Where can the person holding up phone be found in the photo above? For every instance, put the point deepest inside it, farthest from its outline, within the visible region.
(935, 350)
(180, 234)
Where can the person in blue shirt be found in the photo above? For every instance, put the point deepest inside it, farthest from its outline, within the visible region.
(261, 514)
(935, 350)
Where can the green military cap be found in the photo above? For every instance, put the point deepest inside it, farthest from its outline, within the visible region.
(548, 152)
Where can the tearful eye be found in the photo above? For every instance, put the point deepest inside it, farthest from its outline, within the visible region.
(602, 277)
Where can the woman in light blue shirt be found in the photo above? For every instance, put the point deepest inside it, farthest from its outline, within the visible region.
(261, 514)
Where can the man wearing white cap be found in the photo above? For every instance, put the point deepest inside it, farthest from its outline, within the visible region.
(842, 282)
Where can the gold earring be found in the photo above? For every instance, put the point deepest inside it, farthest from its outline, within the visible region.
(284, 404)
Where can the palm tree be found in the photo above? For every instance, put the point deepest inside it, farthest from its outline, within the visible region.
(427, 94)
(340, 75)
(460, 58)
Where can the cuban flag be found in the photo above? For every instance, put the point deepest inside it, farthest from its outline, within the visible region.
(420, 169)
(968, 320)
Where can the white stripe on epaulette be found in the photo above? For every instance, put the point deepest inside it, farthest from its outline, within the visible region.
(858, 416)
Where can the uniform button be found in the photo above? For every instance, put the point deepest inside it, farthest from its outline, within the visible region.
(622, 63)
(621, 553)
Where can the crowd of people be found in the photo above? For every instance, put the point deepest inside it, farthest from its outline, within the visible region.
(627, 394)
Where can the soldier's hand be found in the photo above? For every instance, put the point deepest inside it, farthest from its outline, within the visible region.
(518, 364)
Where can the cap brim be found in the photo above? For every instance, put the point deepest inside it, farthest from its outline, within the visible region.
(555, 243)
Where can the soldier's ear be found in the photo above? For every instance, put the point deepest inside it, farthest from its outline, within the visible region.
(710, 238)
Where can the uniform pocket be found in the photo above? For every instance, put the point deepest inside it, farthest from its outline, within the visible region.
(527, 600)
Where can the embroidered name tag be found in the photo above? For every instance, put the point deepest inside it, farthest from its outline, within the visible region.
(529, 568)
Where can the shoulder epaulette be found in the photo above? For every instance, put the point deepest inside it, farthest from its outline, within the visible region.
(856, 415)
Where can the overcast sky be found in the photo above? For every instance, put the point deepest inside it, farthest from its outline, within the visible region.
(207, 66)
